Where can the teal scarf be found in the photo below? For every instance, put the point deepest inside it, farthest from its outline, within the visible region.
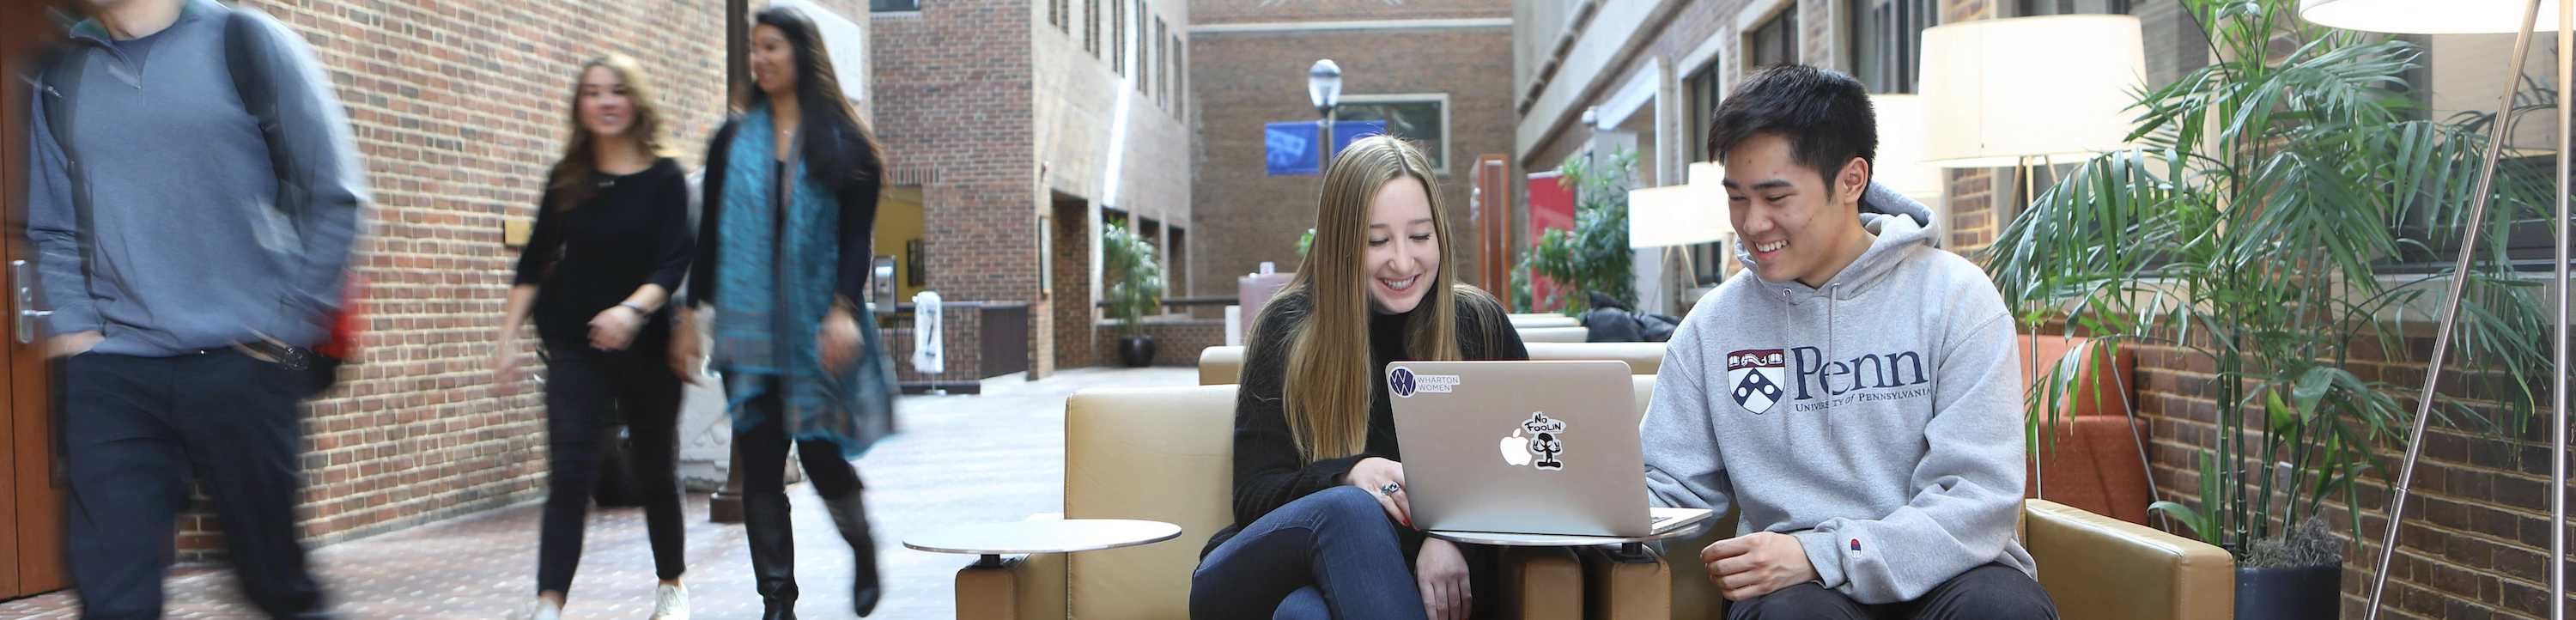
(777, 281)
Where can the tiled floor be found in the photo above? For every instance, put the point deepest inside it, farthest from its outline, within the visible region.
(961, 459)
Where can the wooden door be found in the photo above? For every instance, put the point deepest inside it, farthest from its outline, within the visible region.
(31, 501)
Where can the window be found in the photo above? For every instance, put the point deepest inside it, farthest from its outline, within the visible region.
(1423, 119)
(1700, 95)
(1887, 42)
(1144, 43)
(2072, 7)
(2461, 78)
(1774, 42)
(1180, 78)
(893, 6)
(1118, 36)
(1057, 11)
(1699, 98)
(1163, 50)
(1091, 27)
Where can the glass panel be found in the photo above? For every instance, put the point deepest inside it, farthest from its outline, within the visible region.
(1418, 121)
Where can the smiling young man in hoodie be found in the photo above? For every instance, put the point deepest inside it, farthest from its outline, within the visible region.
(1854, 399)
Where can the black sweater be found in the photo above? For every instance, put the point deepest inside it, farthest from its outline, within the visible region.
(1267, 469)
(589, 258)
(858, 201)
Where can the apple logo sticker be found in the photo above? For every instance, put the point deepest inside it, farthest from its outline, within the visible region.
(1516, 449)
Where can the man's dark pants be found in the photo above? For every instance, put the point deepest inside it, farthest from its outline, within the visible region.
(1989, 592)
(135, 428)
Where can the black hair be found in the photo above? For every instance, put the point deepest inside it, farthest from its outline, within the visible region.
(1824, 114)
(838, 144)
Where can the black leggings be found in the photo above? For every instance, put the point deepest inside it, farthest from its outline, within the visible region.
(764, 455)
(582, 386)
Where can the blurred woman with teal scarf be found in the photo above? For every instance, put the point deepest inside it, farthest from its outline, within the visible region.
(783, 257)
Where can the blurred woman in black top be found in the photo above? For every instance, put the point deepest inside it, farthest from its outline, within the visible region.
(611, 243)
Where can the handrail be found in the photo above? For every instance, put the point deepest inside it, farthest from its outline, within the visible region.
(1183, 302)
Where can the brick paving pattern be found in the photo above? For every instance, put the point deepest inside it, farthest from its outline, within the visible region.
(960, 459)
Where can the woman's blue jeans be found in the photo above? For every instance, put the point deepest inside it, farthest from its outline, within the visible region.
(1333, 554)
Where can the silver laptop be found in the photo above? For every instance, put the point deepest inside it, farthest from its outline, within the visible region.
(1535, 447)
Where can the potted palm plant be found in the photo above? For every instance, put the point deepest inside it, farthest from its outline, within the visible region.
(2268, 224)
(1135, 276)
(1594, 256)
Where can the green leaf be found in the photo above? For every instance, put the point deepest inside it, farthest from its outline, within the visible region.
(2195, 520)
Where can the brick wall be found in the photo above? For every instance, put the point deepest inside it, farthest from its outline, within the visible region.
(1074, 319)
(458, 109)
(1241, 81)
(1256, 11)
(2475, 541)
(952, 89)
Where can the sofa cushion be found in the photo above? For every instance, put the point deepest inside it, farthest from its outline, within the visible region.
(1224, 365)
(1164, 454)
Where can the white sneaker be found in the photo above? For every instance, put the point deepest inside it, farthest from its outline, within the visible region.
(670, 602)
(540, 609)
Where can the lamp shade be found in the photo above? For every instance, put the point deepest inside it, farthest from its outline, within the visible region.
(1900, 147)
(1684, 214)
(2428, 16)
(2006, 89)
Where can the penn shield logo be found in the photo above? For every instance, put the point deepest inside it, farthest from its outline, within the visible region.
(1757, 376)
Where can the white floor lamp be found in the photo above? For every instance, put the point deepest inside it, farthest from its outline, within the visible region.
(1677, 216)
(2020, 92)
(2481, 17)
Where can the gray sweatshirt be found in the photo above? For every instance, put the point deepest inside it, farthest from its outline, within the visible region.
(192, 248)
(1877, 420)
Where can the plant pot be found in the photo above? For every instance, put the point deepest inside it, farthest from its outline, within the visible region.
(2293, 593)
(1136, 351)
(617, 484)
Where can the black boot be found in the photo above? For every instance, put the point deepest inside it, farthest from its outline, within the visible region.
(766, 523)
(851, 514)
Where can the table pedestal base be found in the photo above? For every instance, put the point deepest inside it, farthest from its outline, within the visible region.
(977, 582)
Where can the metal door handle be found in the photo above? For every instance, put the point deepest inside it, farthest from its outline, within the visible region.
(27, 312)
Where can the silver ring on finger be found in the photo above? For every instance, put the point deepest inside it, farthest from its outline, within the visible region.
(1390, 489)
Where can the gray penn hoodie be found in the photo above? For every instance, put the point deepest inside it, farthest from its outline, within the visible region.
(1878, 419)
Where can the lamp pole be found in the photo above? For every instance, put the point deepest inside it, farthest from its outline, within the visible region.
(1324, 89)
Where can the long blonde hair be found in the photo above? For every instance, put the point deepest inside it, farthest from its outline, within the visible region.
(1330, 380)
(570, 179)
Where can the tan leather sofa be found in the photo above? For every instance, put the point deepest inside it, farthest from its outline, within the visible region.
(1543, 319)
(1553, 334)
(1165, 454)
(1222, 365)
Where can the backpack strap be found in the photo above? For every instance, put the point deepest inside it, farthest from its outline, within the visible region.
(246, 51)
(60, 82)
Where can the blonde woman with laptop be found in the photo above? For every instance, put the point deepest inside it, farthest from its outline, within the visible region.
(1318, 477)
